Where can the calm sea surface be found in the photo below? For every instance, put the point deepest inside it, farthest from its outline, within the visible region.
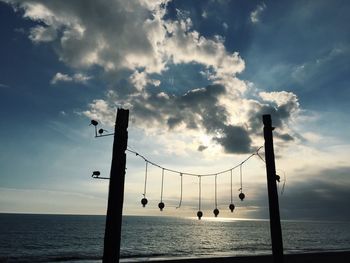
(52, 238)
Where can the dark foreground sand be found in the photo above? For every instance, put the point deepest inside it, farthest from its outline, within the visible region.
(329, 257)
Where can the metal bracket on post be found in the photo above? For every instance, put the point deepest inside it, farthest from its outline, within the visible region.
(111, 252)
(275, 222)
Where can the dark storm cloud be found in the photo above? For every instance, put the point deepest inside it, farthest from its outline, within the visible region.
(281, 106)
(317, 200)
(324, 197)
(172, 122)
(202, 109)
(201, 148)
(278, 115)
(196, 108)
(285, 136)
(235, 139)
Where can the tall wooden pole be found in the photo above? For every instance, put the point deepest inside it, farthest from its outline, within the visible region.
(111, 251)
(275, 222)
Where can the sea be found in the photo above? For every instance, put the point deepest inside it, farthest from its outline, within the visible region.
(79, 238)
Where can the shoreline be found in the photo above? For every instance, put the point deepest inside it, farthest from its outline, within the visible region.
(310, 257)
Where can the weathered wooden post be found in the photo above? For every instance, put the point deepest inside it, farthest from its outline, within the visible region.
(275, 222)
(112, 238)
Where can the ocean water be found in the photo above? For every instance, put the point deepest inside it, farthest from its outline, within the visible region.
(70, 238)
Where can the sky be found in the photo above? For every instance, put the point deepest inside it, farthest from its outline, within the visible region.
(197, 76)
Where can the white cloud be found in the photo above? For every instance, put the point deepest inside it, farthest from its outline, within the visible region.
(280, 97)
(102, 111)
(255, 14)
(77, 78)
(205, 14)
(42, 34)
(135, 37)
(141, 79)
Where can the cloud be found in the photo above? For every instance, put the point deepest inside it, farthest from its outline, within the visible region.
(76, 78)
(201, 148)
(84, 38)
(129, 36)
(140, 80)
(137, 40)
(326, 196)
(320, 195)
(235, 139)
(282, 106)
(310, 70)
(202, 111)
(42, 34)
(255, 14)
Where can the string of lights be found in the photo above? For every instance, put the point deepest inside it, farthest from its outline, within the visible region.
(194, 174)
(181, 187)
(161, 205)
(99, 133)
(144, 199)
(199, 213)
(216, 210)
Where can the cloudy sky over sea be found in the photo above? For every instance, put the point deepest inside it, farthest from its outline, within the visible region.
(197, 77)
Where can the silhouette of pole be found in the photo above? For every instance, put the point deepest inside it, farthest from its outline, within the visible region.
(112, 238)
(275, 222)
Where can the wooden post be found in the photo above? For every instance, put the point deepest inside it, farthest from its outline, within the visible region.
(275, 222)
(111, 252)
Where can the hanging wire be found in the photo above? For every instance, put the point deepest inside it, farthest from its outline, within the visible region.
(284, 181)
(131, 150)
(231, 189)
(241, 195)
(180, 191)
(144, 190)
(240, 175)
(161, 190)
(261, 158)
(199, 192)
(284, 184)
(216, 195)
(192, 174)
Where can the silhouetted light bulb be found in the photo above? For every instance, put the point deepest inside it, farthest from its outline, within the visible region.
(199, 214)
(93, 122)
(232, 207)
(241, 196)
(216, 212)
(161, 206)
(278, 178)
(144, 202)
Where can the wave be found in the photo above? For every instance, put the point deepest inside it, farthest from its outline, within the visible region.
(74, 257)
(55, 258)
